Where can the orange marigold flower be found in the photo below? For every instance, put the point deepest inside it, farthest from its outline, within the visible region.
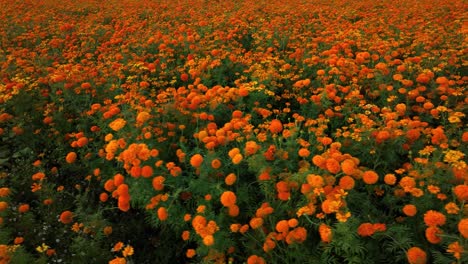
(237, 158)
(370, 177)
(410, 210)
(4, 192)
(117, 124)
(107, 230)
(230, 179)
(275, 126)
(18, 240)
(434, 218)
(251, 147)
(162, 213)
(432, 235)
(228, 198)
(348, 166)
(233, 210)
(109, 185)
(297, 235)
(142, 117)
(146, 171)
(196, 160)
(461, 191)
(303, 153)
(463, 227)
(319, 161)
(256, 222)
(158, 183)
(282, 226)
(185, 235)
(332, 165)
(208, 240)
(127, 251)
(23, 208)
(71, 157)
(346, 182)
(456, 249)
(390, 179)
(366, 229)
(118, 180)
(254, 259)
(452, 208)
(416, 255)
(315, 181)
(293, 222)
(325, 233)
(216, 164)
(190, 253)
(66, 217)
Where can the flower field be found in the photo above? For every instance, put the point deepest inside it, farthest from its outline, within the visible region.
(248, 131)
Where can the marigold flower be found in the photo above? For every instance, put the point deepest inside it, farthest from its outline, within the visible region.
(71, 157)
(146, 171)
(282, 226)
(348, 166)
(366, 229)
(297, 235)
(332, 165)
(215, 164)
(325, 233)
(18, 240)
(461, 191)
(303, 153)
(23, 208)
(390, 179)
(319, 161)
(230, 179)
(463, 227)
(228, 198)
(237, 158)
(162, 213)
(254, 259)
(434, 218)
(251, 148)
(127, 251)
(256, 222)
(123, 202)
(190, 253)
(208, 240)
(410, 210)
(456, 249)
(66, 217)
(158, 183)
(346, 182)
(4, 192)
(117, 124)
(315, 181)
(416, 255)
(107, 230)
(370, 177)
(452, 208)
(432, 235)
(275, 126)
(196, 160)
(118, 260)
(118, 180)
(292, 223)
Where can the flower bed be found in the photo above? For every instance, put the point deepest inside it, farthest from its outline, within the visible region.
(233, 131)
